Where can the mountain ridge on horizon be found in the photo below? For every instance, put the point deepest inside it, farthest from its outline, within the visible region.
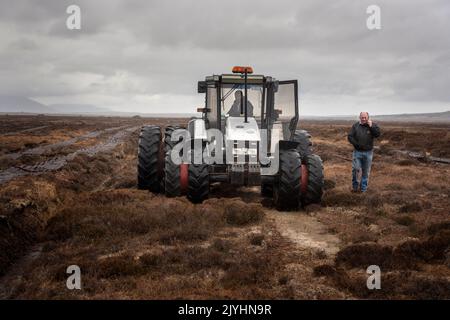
(17, 104)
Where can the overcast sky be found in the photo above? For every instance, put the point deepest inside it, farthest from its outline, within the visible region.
(147, 56)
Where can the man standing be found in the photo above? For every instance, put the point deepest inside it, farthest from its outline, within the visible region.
(361, 137)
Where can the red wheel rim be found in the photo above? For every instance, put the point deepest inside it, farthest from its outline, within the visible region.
(184, 177)
(304, 179)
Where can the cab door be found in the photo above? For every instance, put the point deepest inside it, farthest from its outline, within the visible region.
(285, 107)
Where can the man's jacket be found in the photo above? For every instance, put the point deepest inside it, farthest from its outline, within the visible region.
(361, 136)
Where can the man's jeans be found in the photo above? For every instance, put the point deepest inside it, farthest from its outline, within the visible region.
(362, 160)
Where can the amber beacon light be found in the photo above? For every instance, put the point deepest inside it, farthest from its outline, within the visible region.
(239, 69)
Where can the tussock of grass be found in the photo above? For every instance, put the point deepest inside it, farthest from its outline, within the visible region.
(407, 162)
(404, 220)
(329, 184)
(411, 207)
(406, 255)
(251, 270)
(341, 199)
(239, 213)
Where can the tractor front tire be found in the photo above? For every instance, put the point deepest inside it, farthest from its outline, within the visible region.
(168, 146)
(198, 185)
(287, 189)
(149, 160)
(314, 189)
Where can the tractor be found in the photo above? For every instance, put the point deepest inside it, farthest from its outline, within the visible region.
(247, 136)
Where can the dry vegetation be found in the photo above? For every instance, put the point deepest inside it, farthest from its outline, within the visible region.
(133, 244)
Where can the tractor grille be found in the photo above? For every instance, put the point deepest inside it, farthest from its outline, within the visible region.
(245, 152)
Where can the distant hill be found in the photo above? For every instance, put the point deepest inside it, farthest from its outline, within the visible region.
(440, 117)
(20, 104)
(15, 104)
(72, 108)
(417, 117)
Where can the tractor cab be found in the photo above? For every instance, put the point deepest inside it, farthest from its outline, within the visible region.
(242, 94)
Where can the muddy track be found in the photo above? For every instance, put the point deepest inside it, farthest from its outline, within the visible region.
(40, 150)
(13, 133)
(13, 278)
(58, 162)
(305, 231)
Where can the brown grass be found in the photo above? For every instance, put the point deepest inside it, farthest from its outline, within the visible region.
(117, 235)
(411, 207)
(133, 244)
(239, 214)
(405, 255)
(404, 220)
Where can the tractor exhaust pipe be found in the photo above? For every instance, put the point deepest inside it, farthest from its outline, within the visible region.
(245, 71)
(245, 96)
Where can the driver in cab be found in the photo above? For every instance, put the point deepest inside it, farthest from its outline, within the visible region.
(239, 105)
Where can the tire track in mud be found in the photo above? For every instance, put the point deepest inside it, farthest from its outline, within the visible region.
(58, 162)
(25, 131)
(12, 279)
(50, 147)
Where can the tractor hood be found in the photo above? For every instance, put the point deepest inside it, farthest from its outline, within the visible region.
(237, 129)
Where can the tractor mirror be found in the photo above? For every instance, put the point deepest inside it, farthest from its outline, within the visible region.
(201, 88)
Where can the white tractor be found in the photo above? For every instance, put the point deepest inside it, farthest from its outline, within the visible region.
(247, 136)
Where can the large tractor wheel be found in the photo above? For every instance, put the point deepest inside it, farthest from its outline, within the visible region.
(198, 188)
(150, 164)
(168, 143)
(304, 146)
(313, 190)
(173, 189)
(287, 189)
(172, 177)
(267, 190)
(175, 175)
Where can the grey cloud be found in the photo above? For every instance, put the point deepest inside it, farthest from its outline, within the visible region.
(152, 48)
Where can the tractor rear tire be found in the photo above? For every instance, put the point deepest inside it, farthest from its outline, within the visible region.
(287, 189)
(149, 160)
(315, 186)
(168, 143)
(172, 183)
(198, 186)
(304, 146)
